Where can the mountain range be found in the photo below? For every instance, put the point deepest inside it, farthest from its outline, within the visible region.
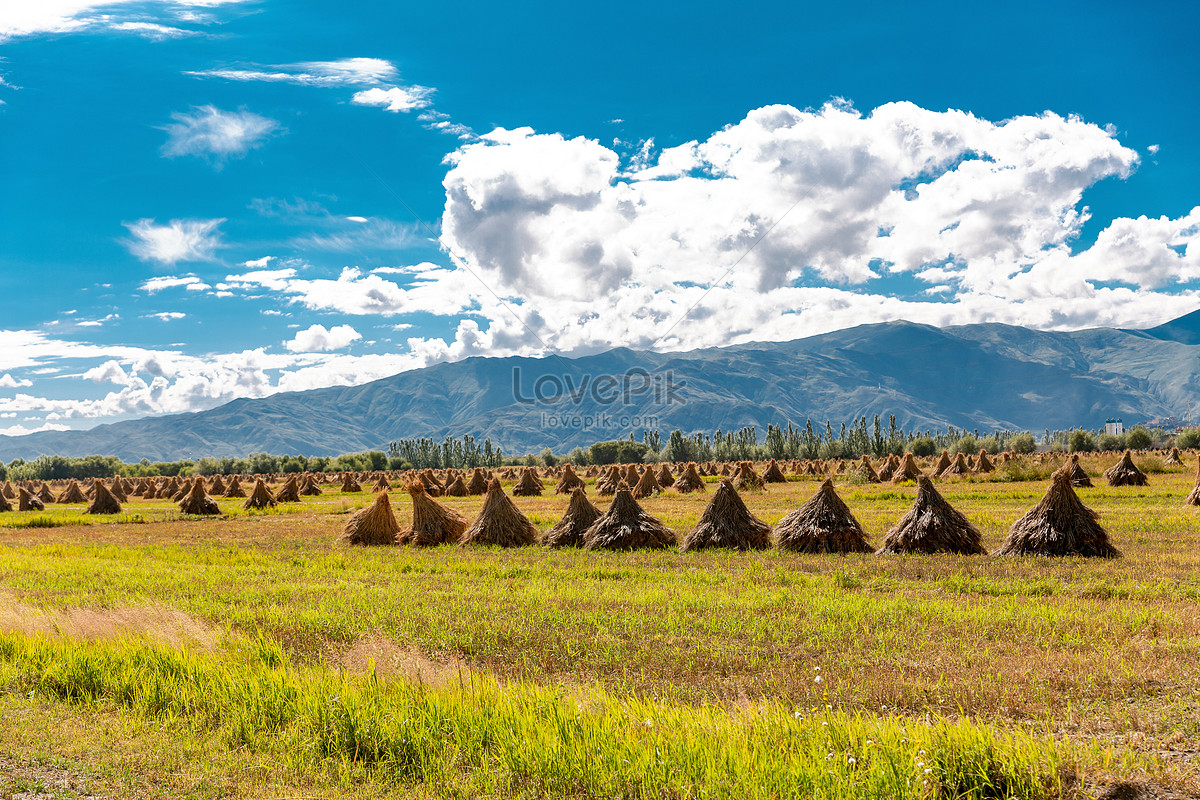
(985, 376)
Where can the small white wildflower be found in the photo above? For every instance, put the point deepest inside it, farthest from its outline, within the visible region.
(851, 760)
(826, 724)
(928, 771)
(869, 742)
(818, 669)
(796, 714)
(828, 706)
(649, 723)
(817, 679)
(884, 708)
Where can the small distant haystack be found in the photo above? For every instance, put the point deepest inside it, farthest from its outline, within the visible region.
(1125, 473)
(44, 494)
(1173, 458)
(260, 498)
(772, 474)
(289, 492)
(116, 488)
(726, 522)
(373, 525)
(350, 485)
(198, 502)
(1059, 525)
(478, 483)
(102, 500)
(746, 478)
(432, 485)
(73, 493)
(632, 474)
(217, 487)
(500, 522)
(607, 484)
(29, 502)
(8, 491)
(689, 480)
(984, 464)
(433, 523)
(381, 485)
(889, 468)
(456, 487)
(568, 482)
(1076, 473)
(308, 486)
(943, 464)
(234, 488)
(625, 526)
(932, 526)
(822, 525)
(958, 467)
(647, 485)
(1193, 499)
(5, 505)
(664, 476)
(907, 470)
(580, 516)
(528, 485)
(864, 471)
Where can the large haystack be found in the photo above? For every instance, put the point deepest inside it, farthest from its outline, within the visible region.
(907, 470)
(772, 474)
(689, 480)
(456, 487)
(8, 491)
(234, 488)
(349, 484)
(632, 474)
(647, 485)
(198, 502)
(625, 526)
(746, 478)
(1193, 499)
(726, 522)
(478, 483)
(568, 482)
(1076, 473)
(569, 530)
(373, 525)
(500, 522)
(1125, 473)
(822, 525)
(932, 526)
(432, 485)
(864, 471)
(1059, 525)
(433, 523)
(102, 500)
(26, 501)
(289, 492)
(528, 485)
(73, 493)
(260, 498)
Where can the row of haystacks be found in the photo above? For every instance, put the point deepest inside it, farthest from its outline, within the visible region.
(1059, 525)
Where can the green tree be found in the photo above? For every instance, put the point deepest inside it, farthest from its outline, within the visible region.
(1080, 441)
(1139, 438)
(1023, 443)
(923, 446)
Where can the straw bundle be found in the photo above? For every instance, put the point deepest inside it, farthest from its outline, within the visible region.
(433, 523)
(29, 502)
(889, 467)
(772, 474)
(1059, 525)
(689, 480)
(932, 526)
(217, 487)
(726, 522)
(824, 524)
(259, 498)
(350, 485)
(1193, 499)
(865, 471)
(1125, 473)
(984, 463)
(1076, 473)
(198, 502)
(958, 467)
(664, 476)
(381, 485)
(625, 526)
(102, 500)
(647, 485)
(569, 530)
(906, 471)
(234, 488)
(500, 522)
(528, 485)
(456, 487)
(568, 482)
(746, 478)
(289, 492)
(373, 525)
(1173, 458)
(479, 482)
(942, 465)
(73, 493)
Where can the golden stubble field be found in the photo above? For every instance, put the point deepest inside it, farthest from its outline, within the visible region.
(1104, 653)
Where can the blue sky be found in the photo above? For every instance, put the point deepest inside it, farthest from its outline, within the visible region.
(210, 199)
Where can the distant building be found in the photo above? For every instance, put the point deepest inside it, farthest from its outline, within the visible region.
(1114, 427)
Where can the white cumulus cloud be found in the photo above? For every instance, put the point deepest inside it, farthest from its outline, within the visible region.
(7, 381)
(395, 98)
(318, 338)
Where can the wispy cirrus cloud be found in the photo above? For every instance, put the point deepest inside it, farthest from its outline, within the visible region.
(152, 19)
(210, 133)
(178, 240)
(342, 72)
(395, 98)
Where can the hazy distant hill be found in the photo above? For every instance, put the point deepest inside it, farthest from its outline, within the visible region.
(974, 376)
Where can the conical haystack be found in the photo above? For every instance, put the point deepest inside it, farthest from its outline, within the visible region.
(632, 475)
(689, 480)
(726, 522)
(1076, 473)
(500, 522)
(8, 491)
(568, 482)
(260, 497)
(932, 526)
(289, 492)
(478, 483)
(456, 487)
(45, 495)
(5, 505)
(27, 501)
(1173, 458)
(822, 525)
(309, 487)
(350, 485)
(433, 523)
(528, 485)
(907, 470)
(958, 467)
(1193, 498)
(73, 493)
(198, 502)
(102, 500)
(234, 488)
(381, 485)
(569, 530)
(1125, 473)
(607, 484)
(1059, 525)
(746, 478)
(664, 476)
(647, 485)
(373, 525)
(985, 464)
(864, 471)
(625, 526)
(772, 474)
(432, 485)
(217, 487)
(889, 467)
(943, 464)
